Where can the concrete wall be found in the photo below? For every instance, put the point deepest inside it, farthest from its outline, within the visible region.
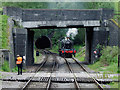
(11, 43)
(60, 15)
(88, 39)
(113, 34)
(31, 18)
(20, 40)
(99, 37)
(14, 12)
(4, 55)
(30, 48)
(94, 37)
(24, 45)
(119, 49)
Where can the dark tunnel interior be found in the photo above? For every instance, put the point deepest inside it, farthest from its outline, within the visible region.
(43, 42)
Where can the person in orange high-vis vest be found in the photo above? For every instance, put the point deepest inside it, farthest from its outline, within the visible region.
(19, 61)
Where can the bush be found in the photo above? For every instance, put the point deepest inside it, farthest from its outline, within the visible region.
(109, 55)
(55, 49)
(15, 69)
(108, 62)
(5, 66)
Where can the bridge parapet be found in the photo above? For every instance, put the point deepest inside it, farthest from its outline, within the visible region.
(37, 18)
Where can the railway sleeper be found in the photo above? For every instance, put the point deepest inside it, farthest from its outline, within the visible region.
(63, 80)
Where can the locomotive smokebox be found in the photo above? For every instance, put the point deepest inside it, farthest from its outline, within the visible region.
(43, 42)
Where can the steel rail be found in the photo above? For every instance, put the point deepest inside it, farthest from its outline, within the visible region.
(76, 83)
(49, 81)
(115, 22)
(23, 88)
(99, 86)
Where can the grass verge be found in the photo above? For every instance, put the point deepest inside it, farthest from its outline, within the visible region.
(36, 57)
(80, 55)
(55, 49)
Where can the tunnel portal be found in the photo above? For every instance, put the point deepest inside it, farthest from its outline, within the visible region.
(43, 42)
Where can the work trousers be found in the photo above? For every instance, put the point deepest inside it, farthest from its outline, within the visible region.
(19, 69)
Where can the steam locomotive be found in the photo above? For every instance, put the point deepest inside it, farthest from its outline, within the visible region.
(66, 48)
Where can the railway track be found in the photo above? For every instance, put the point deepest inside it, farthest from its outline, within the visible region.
(39, 68)
(95, 81)
(71, 70)
(50, 83)
(50, 78)
(48, 86)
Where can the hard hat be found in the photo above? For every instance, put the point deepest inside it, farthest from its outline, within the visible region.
(18, 55)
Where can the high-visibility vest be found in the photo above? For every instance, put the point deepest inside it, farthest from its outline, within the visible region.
(19, 60)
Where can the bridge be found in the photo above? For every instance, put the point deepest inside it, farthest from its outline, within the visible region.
(99, 28)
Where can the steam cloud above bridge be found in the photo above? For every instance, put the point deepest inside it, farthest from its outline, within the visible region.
(73, 32)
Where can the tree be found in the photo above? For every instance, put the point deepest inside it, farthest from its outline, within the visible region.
(80, 37)
(97, 5)
(33, 5)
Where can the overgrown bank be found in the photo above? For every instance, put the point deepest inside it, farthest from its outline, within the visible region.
(80, 55)
(108, 62)
(4, 41)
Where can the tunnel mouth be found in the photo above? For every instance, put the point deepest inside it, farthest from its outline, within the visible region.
(43, 42)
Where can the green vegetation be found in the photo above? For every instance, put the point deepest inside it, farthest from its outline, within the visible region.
(80, 37)
(0, 76)
(113, 85)
(109, 5)
(35, 58)
(5, 66)
(55, 49)
(26, 4)
(46, 5)
(54, 34)
(109, 55)
(4, 32)
(80, 55)
(15, 69)
(115, 77)
(108, 62)
(97, 5)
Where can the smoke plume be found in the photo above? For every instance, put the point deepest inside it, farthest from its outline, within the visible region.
(72, 32)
